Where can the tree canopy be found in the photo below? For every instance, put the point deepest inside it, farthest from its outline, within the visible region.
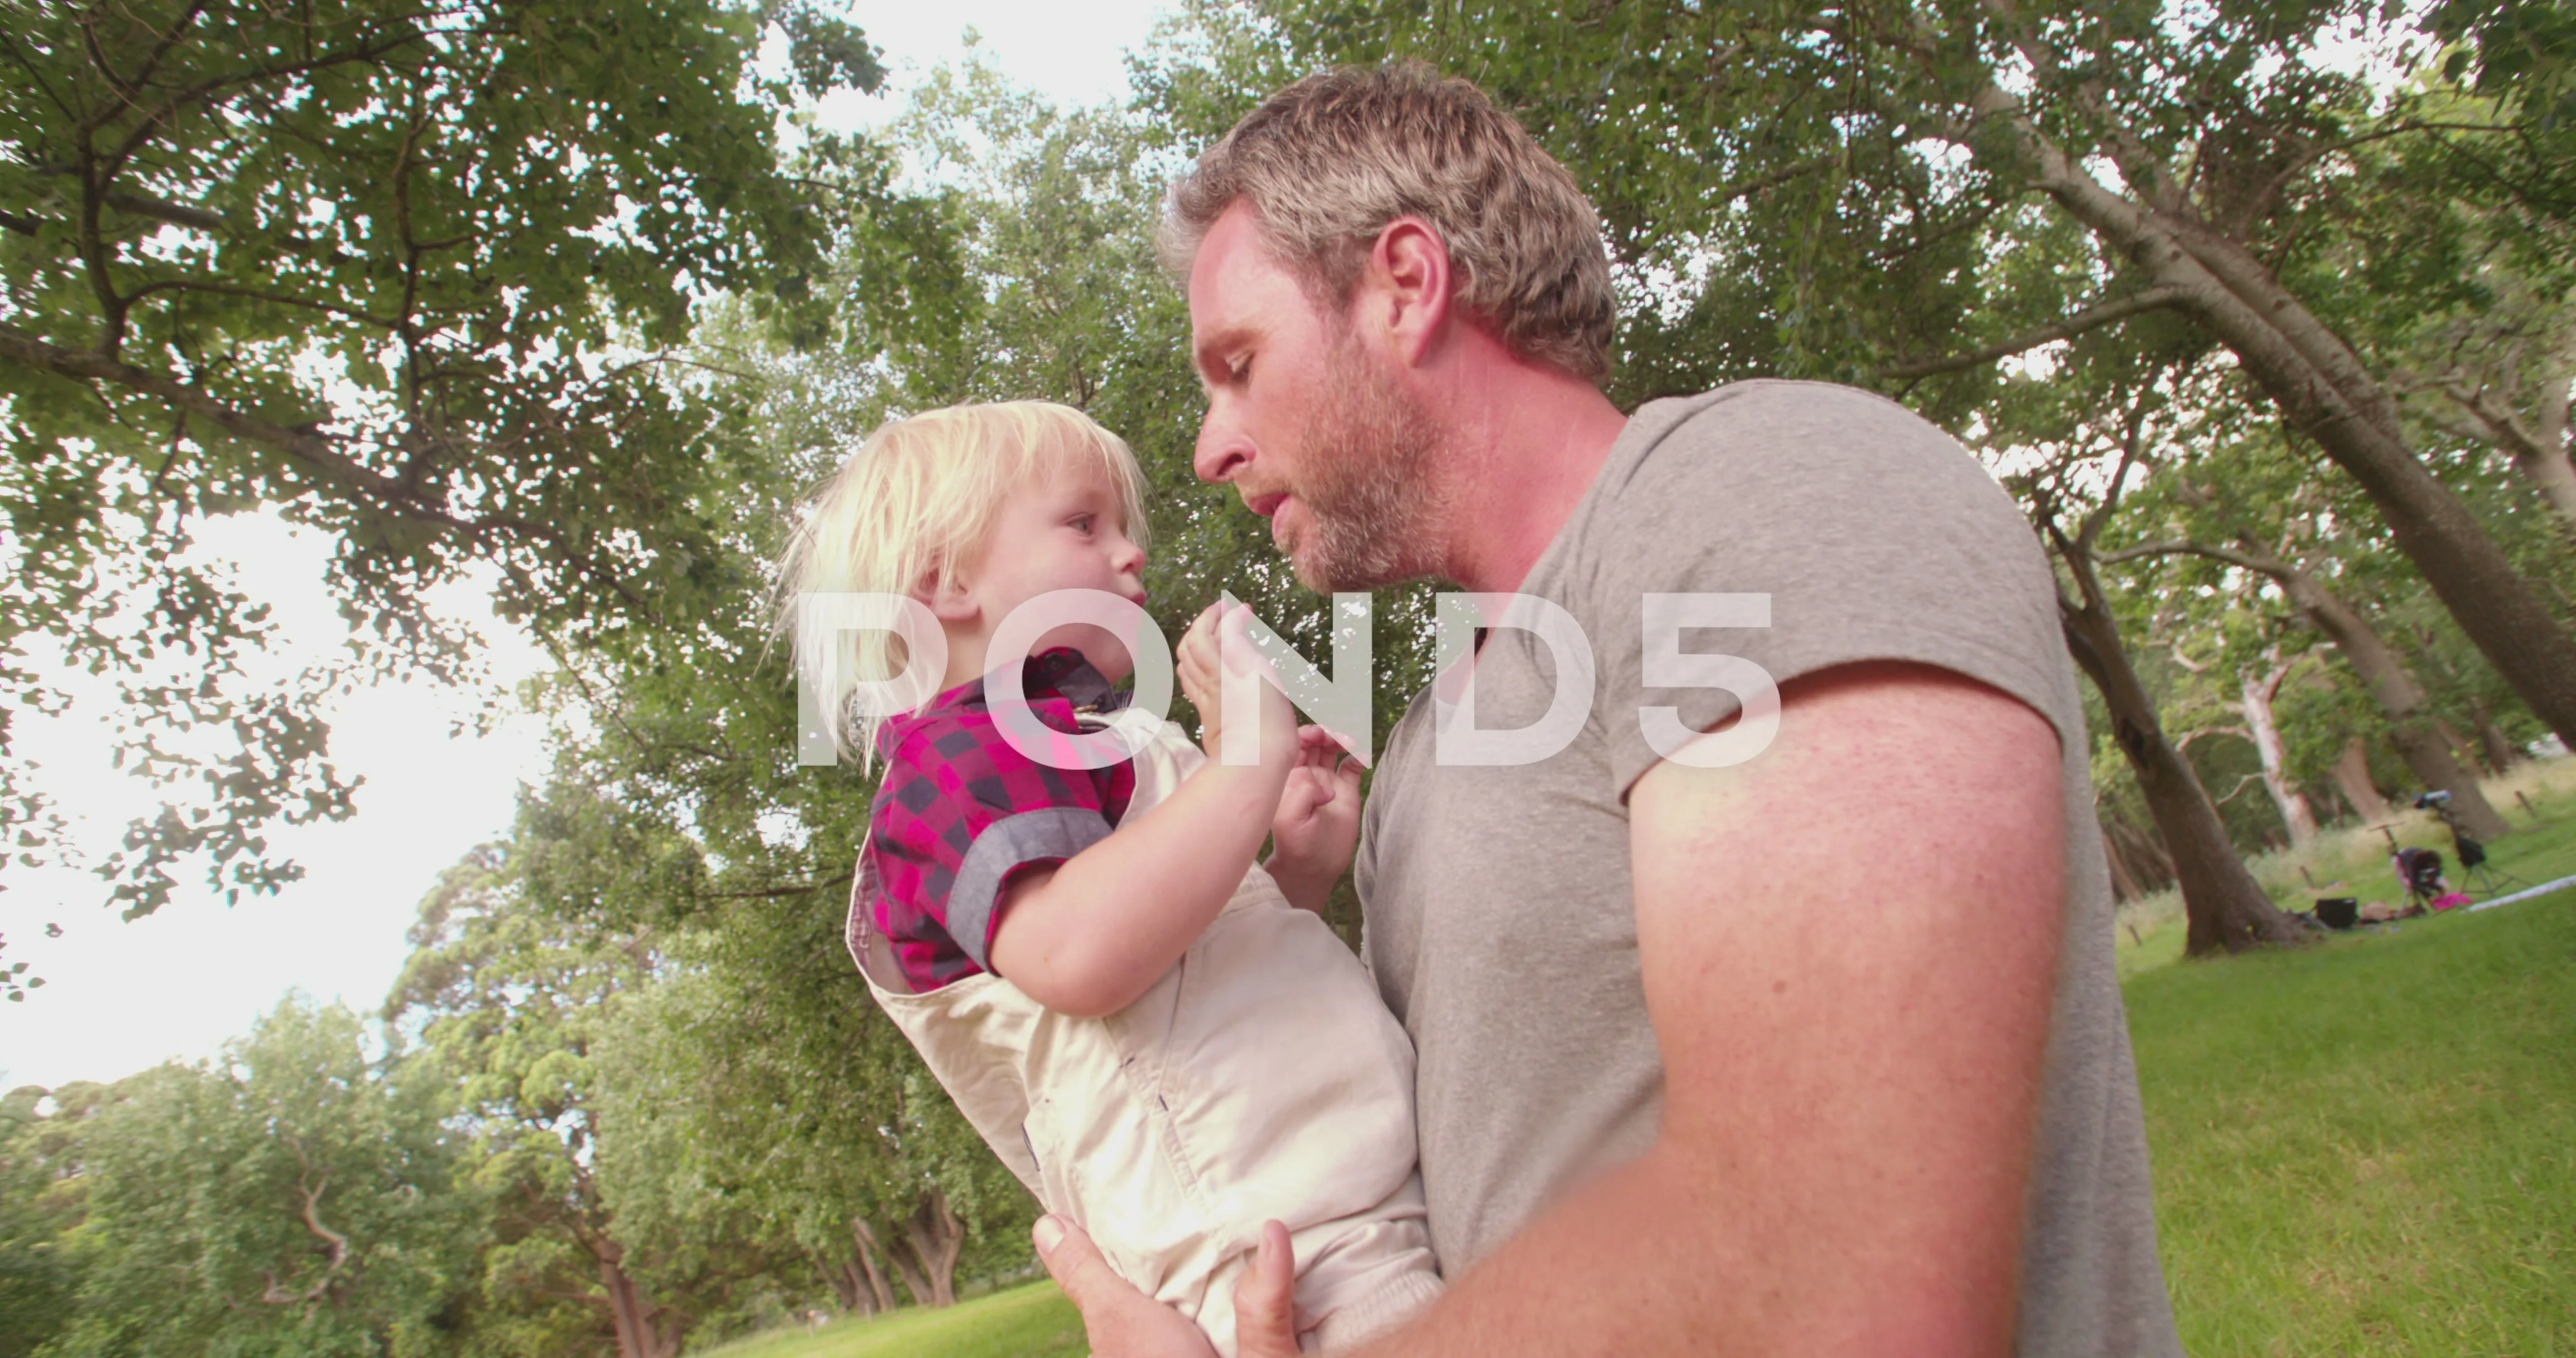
(2269, 338)
(417, 276)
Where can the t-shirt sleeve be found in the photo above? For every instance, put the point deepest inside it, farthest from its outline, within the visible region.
(962, 812)
(1874, 535)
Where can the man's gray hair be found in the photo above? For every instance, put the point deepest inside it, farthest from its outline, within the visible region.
(1327, 162)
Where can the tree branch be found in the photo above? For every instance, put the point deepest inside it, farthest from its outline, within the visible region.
(800, 889)
(2090, 318)
(256, 295)
(2183, 741)
(2259, 565)
(162, 209)
(89, 366)
(303, 444)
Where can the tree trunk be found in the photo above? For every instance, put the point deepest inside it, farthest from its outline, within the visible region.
(869, 1249)
(2463, 753)
(2300, 817)
(2500, 753)
(936, 1237)
(634, 1313)
(849, 1285)
(848, 1288)
(2352, 777)
(2124, 883)
(2418, 734)
(2146, 861)
(2556, 481)
(2541, 454)
(2322, 390)
(906, 1267)
(2223, 906)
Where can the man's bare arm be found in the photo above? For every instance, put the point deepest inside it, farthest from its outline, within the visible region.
(1849, 946)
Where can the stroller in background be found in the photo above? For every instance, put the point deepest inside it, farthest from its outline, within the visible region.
(2426, 888)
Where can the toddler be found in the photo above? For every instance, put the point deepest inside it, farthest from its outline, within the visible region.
(1160, 1037)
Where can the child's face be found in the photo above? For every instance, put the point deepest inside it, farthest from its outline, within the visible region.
(1066, 532)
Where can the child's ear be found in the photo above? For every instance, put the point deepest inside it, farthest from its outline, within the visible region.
(950, 600)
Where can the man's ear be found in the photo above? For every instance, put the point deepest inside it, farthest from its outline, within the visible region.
(1404, 291)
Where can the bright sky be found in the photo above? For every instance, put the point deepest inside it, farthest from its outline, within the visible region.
(121, 997)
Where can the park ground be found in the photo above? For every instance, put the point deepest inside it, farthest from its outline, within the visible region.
(2367, 1147)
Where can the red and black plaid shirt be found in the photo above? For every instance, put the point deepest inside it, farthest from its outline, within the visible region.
(961, 812)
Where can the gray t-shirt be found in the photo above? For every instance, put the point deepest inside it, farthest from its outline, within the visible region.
(1501, 922)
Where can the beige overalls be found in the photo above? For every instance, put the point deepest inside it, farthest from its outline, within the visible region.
(1260, 1079)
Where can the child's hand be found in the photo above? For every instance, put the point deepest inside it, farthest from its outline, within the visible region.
(1318, 824)
(1200, 667)
(1213, 636)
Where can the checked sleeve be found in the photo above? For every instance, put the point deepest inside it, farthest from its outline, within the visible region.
(959, 814)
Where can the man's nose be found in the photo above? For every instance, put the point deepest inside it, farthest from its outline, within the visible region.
(1222, 451)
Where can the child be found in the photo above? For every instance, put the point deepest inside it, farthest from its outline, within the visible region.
(1142, 1022)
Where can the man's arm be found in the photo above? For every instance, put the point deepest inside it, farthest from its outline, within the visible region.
(1849, 946)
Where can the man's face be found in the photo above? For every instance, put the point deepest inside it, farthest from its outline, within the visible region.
(1310, 426)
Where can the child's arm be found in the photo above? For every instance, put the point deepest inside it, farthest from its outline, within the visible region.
(1318, 822)
(1090, 935)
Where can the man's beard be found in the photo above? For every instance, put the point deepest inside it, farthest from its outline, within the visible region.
(1371, 485)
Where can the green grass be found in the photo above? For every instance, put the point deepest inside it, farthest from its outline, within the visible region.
(2353, 861)
(1034, 1321)
(2369, 1147)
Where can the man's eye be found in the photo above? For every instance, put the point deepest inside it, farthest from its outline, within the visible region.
(1239, 371)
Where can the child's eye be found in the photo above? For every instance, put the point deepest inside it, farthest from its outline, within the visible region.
(1081, 523)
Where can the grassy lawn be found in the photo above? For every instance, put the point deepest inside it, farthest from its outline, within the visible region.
(2354, 861)
(2361, 1148)
(2369, 1147)
(1032, 1321)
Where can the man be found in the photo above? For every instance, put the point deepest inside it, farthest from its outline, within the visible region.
(1814, 1053)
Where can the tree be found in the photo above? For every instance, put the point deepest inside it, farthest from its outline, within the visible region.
(2400, 698)
(2242, 503)
(2503, 375)
(508, 999)
(292, 1197)
(2224, 907)
(39, 1284)
(411, 275)
(1881, 182)
(817, 1124)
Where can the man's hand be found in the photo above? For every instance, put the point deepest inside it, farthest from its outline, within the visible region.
(1122, 1322)
(1318, 824)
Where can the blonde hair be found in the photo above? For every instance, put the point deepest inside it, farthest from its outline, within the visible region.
(913, 503)
(1327, 162)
